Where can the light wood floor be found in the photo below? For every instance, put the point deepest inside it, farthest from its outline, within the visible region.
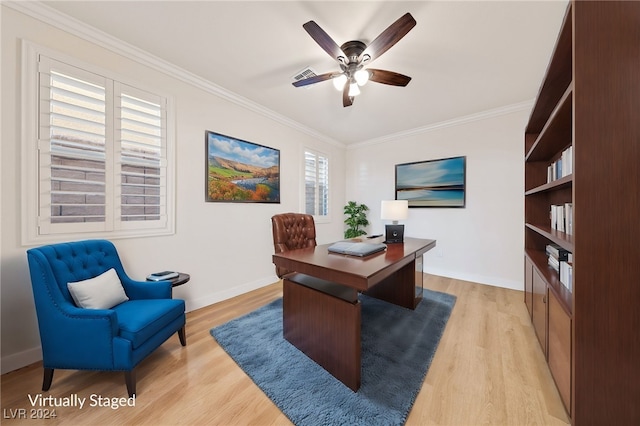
(488, 370)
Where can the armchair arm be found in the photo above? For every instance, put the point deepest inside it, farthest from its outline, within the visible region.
(137, 290)
(87, 335)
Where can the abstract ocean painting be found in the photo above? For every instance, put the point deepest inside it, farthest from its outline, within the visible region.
(432, 183)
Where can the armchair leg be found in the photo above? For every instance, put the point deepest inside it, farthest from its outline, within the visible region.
(47, 379)
(130, 379)
(183, 336)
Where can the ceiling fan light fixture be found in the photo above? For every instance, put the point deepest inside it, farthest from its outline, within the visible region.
(339, 82)
(361, 77)
(354, 55)
(354, 90)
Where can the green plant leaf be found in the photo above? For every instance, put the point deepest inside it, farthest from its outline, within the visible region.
(356, 218)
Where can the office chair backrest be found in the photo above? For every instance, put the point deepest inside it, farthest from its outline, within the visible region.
(292, 231)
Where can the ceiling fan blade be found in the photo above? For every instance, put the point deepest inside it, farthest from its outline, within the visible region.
(314, 79)
(388, 77)
(323, 39)
(389, 37)
(346, 99)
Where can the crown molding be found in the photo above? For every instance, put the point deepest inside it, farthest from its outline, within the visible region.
(496, 112)
(40, 11)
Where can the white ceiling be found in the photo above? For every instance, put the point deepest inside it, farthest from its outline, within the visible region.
(464, 57)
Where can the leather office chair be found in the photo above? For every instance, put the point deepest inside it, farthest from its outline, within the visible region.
(292, 231)
(77, 329)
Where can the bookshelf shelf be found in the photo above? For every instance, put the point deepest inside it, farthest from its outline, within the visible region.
(564, 240)
(588, 101)
(556, 133)
(555, 185)
(556, 79)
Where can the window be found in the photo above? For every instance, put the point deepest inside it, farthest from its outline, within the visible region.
(101, 164)
(316, 179)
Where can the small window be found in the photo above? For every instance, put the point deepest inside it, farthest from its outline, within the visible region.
(101, 166)
(316, 178)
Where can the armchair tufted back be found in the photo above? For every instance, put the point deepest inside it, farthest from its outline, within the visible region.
(77, 261)
(292, 231)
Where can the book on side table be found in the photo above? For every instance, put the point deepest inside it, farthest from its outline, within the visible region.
(162, 276)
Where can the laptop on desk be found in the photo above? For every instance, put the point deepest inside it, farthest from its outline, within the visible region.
(355, 248)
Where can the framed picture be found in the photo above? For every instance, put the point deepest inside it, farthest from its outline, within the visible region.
(238, 171)
(432, 183)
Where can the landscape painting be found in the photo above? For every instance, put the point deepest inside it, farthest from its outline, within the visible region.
(432, 183)
(241, 171)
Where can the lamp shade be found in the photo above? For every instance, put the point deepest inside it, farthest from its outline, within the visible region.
(339, 82)
(394, 209)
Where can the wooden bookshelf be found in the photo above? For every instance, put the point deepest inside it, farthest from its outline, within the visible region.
(589, 100)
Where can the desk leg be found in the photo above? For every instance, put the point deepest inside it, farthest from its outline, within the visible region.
(326, 328)
(400, 287)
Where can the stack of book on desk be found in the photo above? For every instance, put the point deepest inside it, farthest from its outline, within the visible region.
(561, 261)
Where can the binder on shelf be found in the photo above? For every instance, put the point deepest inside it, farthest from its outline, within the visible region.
(562, 167)
(558, 252)
(567, 161)
(562, 218)
(566, 275)
(568, 217)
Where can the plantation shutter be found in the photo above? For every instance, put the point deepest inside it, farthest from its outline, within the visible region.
(323, 186)
(316, 177)
(73, 154)
(142, 156)
(102, 161)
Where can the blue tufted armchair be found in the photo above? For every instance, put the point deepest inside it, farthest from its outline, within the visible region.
(116, 338)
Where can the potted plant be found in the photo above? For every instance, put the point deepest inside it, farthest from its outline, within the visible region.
(356, 218)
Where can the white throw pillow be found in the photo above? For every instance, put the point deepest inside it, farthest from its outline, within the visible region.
(102, 292)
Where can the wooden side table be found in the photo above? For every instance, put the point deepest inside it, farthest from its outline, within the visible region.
(182, 278)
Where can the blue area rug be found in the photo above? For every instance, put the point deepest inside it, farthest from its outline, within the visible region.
(397, 348)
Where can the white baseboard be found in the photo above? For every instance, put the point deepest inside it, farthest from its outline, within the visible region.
(219, 296)
(493, 281)
(21, 359)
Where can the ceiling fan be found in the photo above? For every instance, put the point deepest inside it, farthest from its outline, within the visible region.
(354, 55)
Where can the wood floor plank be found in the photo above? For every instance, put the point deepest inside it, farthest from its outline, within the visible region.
(488, 370)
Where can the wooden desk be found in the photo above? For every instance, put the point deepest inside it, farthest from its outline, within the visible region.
(321, 311)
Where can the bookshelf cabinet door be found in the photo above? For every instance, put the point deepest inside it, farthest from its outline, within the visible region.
(540, 310)
(528, 285)
(560, 349)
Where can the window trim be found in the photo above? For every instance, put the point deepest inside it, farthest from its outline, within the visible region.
(29, 173)
(317, 218)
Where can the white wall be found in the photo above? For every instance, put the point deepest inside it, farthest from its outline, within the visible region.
(482, 242)
(225, 247)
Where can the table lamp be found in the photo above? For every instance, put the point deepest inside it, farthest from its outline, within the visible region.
(394, 210)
